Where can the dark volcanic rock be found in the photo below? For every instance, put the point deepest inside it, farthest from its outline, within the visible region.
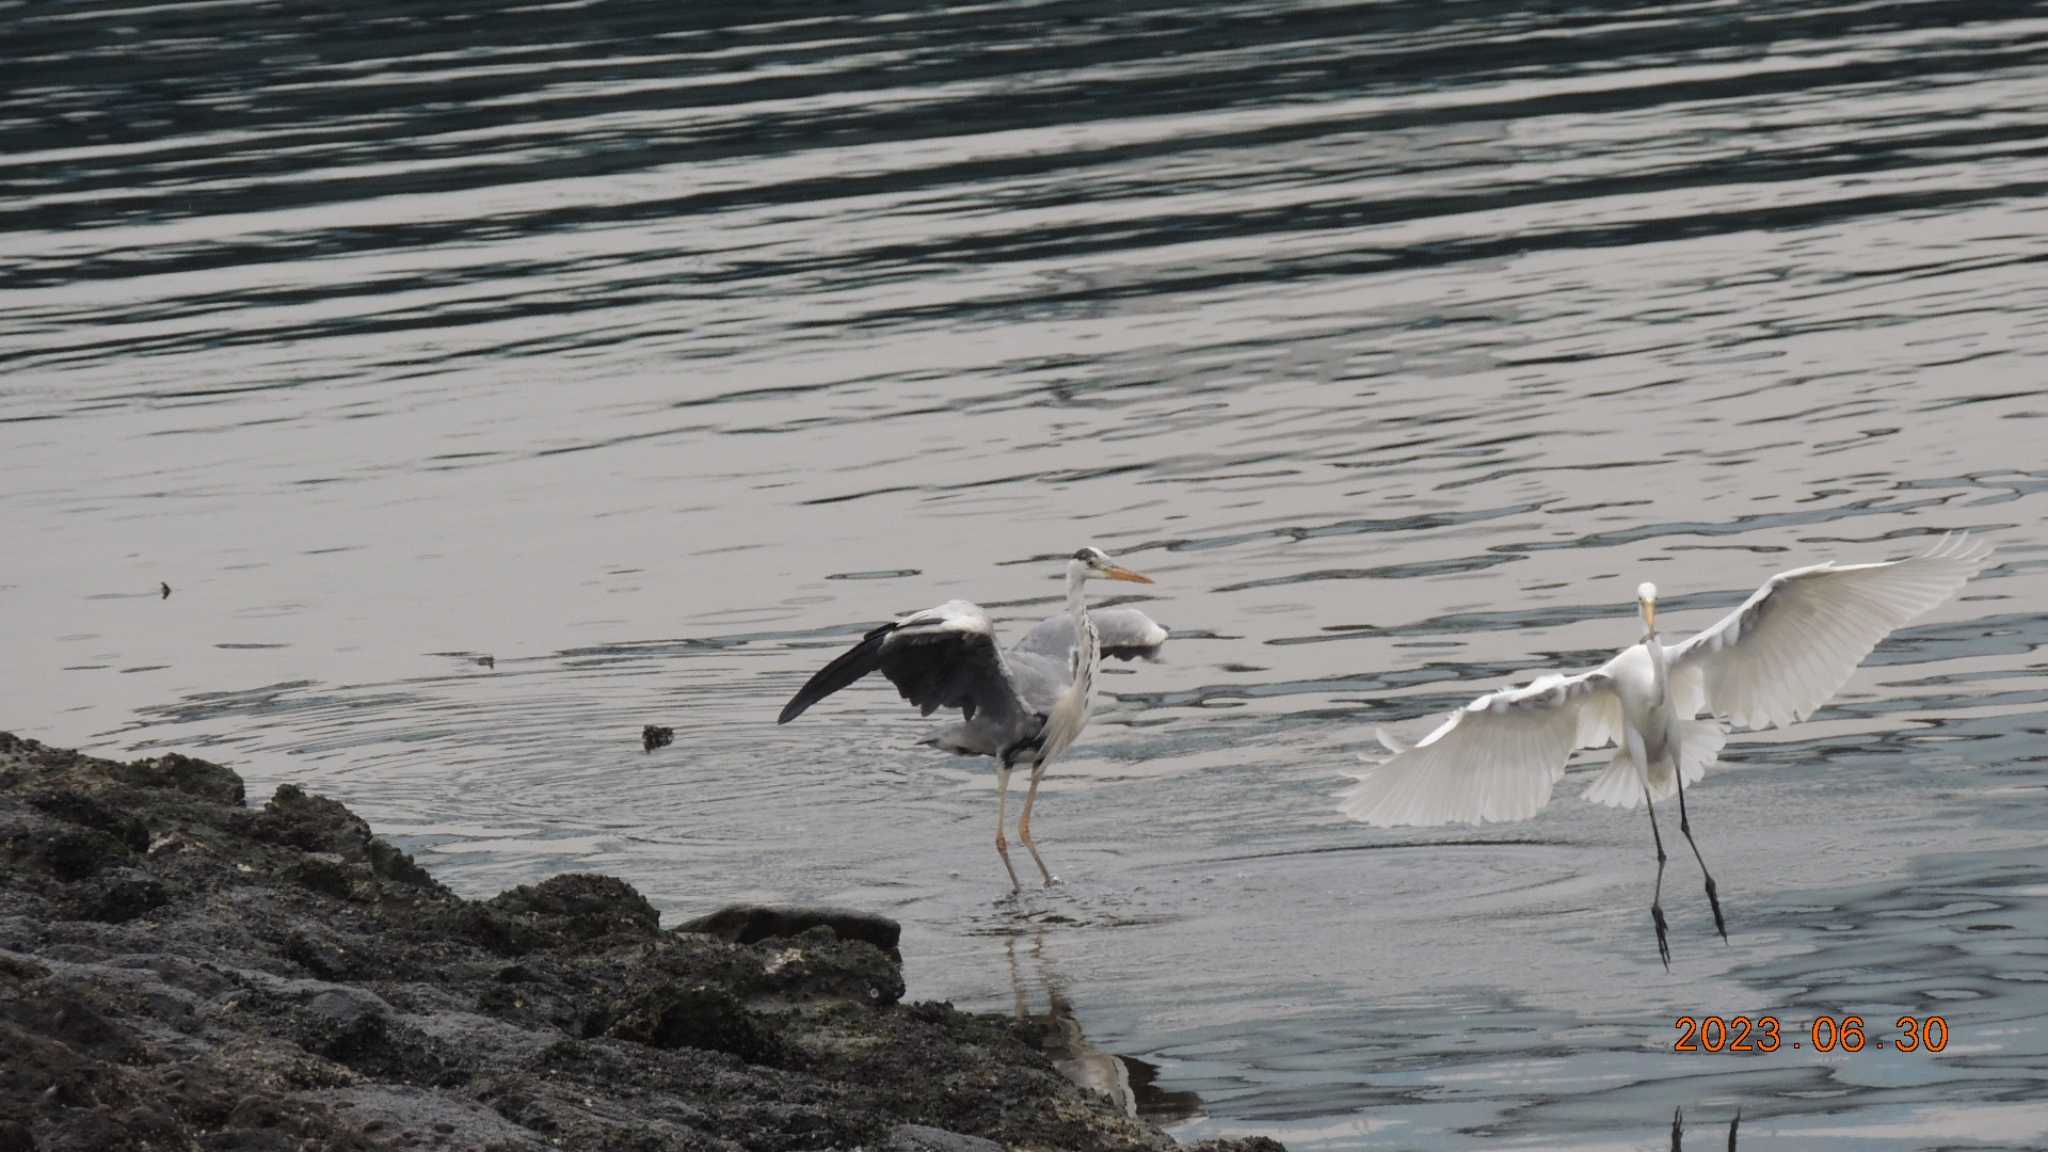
(74, 807)
(752, 923)
(325, 828)
(563, 911)
(181, 774)
(121, 896)
(582, 907)
(698, 1016)
(178, 971)
(319, 952)
(919, 1138)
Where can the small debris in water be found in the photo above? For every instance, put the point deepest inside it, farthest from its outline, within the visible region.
(167, 590)
(653, 736)
(488, 661)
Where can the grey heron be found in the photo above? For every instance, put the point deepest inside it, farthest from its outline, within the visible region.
(1023, 706)
(1774, 660)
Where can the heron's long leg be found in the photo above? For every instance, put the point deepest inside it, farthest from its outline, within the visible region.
(1024, 825)
(1657, 899)
(1002, 817)
(1685, 826)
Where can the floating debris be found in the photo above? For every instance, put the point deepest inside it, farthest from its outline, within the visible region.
(167, 590)
(488, 661)
(653, 736)
(877, 574)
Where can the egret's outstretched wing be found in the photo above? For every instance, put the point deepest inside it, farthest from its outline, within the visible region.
(1494, 759)
(1125, 633)
(943, 657)
(1794, 643)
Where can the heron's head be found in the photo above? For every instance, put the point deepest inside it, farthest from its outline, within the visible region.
(1095, 562)
(1646, 603)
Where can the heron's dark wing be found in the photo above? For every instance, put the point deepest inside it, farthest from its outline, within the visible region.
(847, 667)
(1124, 633)
(943, 657)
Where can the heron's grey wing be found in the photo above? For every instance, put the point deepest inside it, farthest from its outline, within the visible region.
(943, 657)
(1124, 633)
(1039, 677)
(1039, 680)
(1792, 645)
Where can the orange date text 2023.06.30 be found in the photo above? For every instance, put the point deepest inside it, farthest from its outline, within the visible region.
(1760, 1034)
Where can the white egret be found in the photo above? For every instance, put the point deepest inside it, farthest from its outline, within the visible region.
(1772, 661)
(1024, 706)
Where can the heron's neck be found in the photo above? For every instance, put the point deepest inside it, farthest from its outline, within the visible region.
(1077, 603)
(1087, 648)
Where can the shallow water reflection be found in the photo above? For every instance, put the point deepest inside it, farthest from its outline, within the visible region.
(1131, 1082)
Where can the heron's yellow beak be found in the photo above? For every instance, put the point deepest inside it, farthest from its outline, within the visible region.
(1650, 615)
(1116, 572)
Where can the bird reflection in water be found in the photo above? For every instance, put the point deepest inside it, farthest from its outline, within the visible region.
(1131, 1082)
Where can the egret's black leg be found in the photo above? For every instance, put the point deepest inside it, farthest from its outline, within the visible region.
(1656, 899)
(1685, 826)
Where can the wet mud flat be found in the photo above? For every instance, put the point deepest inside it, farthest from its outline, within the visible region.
(179, 969)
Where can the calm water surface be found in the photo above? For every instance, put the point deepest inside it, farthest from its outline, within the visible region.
(656, 351)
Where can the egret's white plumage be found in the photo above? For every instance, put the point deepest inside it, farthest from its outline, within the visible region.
(1772, 661)
(1024, 706)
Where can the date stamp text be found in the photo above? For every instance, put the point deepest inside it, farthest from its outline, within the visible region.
(1746, 1034)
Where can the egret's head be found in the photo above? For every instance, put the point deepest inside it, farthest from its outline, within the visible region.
(1095, 562)
(1646, 603)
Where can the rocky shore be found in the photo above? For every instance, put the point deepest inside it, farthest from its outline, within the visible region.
(179, 970)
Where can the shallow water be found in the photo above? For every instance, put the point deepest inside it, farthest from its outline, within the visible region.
(656, 360)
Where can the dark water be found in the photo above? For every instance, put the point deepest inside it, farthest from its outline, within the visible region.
(655, 350)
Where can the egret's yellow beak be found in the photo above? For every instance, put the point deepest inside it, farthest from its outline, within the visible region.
(1116, 572)
(1650, 615)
